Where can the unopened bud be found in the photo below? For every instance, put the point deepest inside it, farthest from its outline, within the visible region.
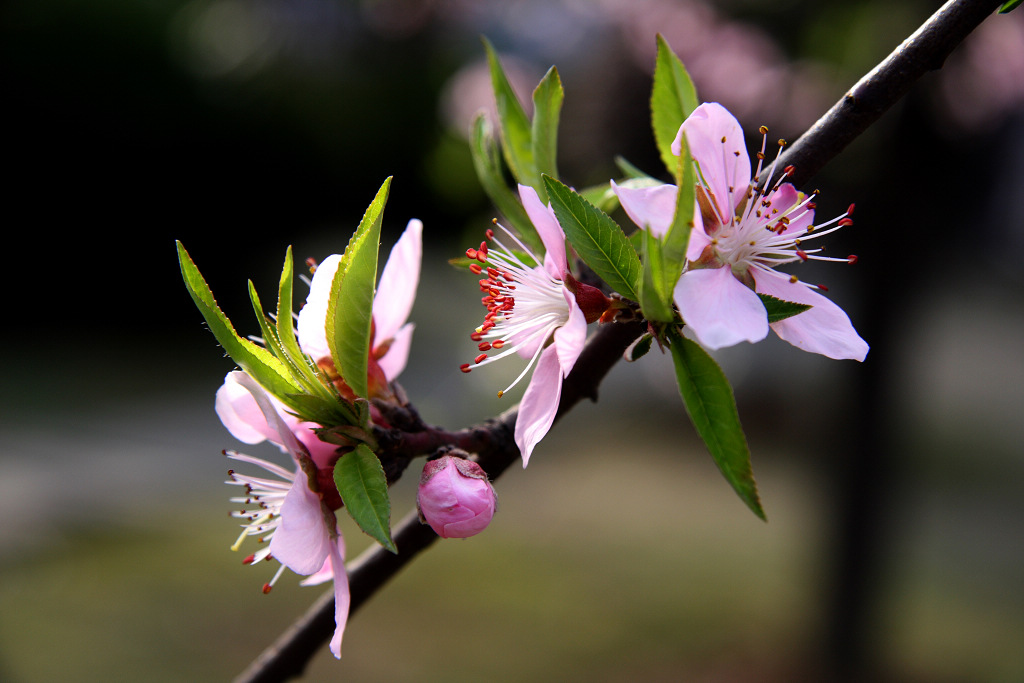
(455, 498)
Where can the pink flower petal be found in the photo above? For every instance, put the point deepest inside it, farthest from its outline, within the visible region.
(543, 218)
(651, 208)
(395, 359)
(698, 239)
(240, 414)
(540, 403)
(284, 435)
(322, 575)
(725, 165)
(311, 326)
(824, 329)
(570, 337)
(398, 281)
(342, 598)
(721, 310)
(301, 541)
(784, 199)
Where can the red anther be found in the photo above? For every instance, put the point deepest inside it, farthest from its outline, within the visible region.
(471, 254)
(788, 170)
(802, 254)
(852, 258)
(849, 211)
(498, 344)
(266, 588)
(846, 221)
(484, 346)
(480, 358)
(476, 336)
(311, 264)
(483, 248)
(812, 206)
(250, 559)
(475, 268)
(823, 288)
(465, 368)
(489, 232)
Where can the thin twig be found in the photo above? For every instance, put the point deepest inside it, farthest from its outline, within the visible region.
(923, 51)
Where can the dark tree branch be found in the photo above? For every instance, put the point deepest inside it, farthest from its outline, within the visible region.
(923, 51)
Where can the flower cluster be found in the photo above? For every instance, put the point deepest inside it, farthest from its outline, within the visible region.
(295, 510)
(741, 234)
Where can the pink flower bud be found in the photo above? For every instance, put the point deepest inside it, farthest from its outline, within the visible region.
(455, 498)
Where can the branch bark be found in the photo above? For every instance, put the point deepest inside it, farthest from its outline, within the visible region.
(925, 50)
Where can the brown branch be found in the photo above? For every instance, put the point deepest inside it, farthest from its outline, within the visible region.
(923, 51)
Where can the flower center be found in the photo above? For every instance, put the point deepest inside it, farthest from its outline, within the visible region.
(770, 224)
(524, 303)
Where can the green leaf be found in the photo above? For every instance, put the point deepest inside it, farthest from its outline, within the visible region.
(1009, 6)
(489, 171)
(513, 125)
(710, 403)
(364, 489)
(677, 238)
(285, 324)
(547, 108)
(673, 97)
(350, 308)
(657, 283)
(639, 348)
(597, 239)
(270, 372)
(778, 309)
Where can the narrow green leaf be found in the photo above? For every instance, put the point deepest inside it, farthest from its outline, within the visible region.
(677, 238)
(330, 411)
(711, 406)
(270, 341)
(1010, 5)
(272, 374)
(514, 126)
(597, 239)
(778, 309)
(350, 308)
(285, 324)
(547, 108)
(364, 489)
(488, 167)
(673, 97)
(656, 284)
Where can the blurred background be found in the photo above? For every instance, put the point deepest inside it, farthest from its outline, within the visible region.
(895, 546)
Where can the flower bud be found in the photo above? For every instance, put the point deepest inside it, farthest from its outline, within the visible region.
(455, 498)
